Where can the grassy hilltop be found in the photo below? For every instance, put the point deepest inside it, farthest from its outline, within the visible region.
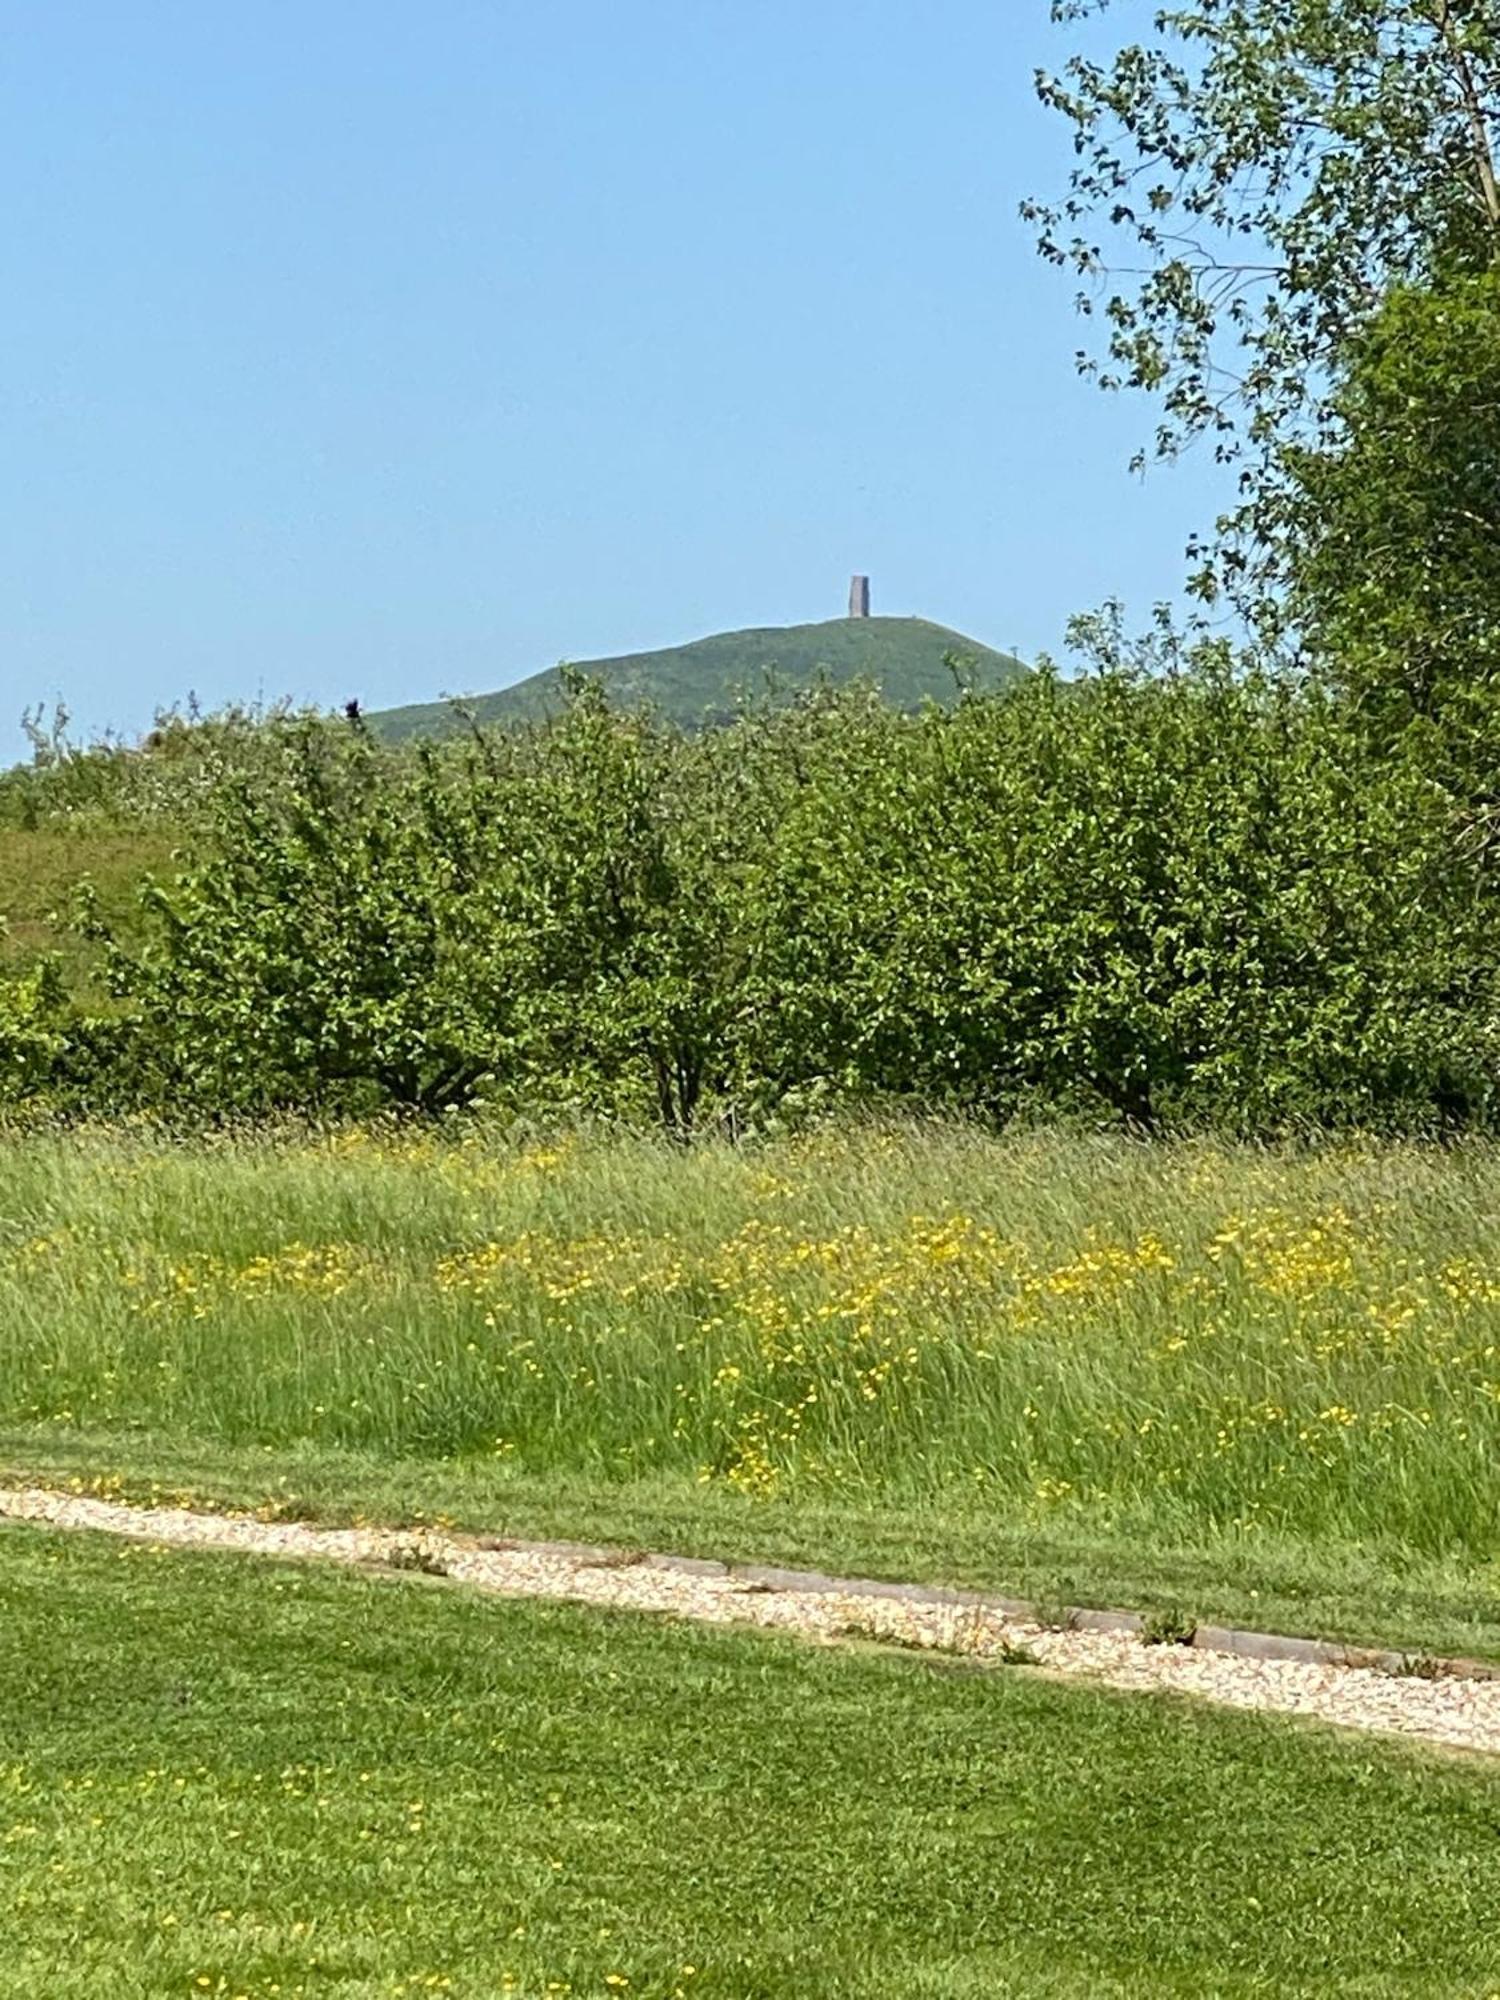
(905, 657)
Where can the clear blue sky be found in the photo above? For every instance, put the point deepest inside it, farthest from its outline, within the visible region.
(353, 347)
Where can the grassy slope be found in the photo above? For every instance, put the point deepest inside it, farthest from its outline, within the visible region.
(1259, 1385)
(39, 868)
(905, 656)
(231, 1778)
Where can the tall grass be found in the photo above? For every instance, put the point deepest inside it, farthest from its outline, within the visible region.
(1186, 1337)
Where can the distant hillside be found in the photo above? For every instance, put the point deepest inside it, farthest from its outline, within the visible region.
(700, 682)
(904, 657)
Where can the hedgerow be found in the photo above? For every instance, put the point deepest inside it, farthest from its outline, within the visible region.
(1171, 893)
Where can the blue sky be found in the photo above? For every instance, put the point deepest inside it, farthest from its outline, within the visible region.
(391, 350)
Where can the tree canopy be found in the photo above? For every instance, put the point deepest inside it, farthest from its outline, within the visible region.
(1271, 172)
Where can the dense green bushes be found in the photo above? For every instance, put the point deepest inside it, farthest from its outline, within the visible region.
(1178, 897)
(1193, 899)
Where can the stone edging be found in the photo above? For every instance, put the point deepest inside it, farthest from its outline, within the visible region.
(1235, 1640)
(1453, 1702)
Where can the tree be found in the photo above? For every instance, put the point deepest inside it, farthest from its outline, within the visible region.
(553, 915)
(307, 953)
(1278, 167)
(1395, 520)
(32, 1035)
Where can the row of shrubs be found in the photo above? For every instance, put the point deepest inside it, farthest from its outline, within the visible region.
(1204, 897)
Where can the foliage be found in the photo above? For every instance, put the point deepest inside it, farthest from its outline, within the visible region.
(110, 783)
(1396, 521)
(1181, 896)
(108, 814)
(1170, 893)
(302, 954)
(1276, 167)
(31, 1041)
(1168, 1625)
(539, 910)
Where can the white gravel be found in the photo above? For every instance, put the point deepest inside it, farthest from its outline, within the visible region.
(1462, 1713)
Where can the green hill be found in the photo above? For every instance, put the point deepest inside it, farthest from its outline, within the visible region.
(904, 657)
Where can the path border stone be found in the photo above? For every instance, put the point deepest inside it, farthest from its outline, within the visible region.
(1455, 1702)
(1237, 1640)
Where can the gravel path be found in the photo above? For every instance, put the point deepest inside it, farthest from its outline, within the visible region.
(1461, 1712)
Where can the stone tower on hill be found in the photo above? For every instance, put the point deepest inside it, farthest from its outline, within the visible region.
(859, 597)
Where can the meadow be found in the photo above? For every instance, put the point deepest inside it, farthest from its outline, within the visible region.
(1260, 1383)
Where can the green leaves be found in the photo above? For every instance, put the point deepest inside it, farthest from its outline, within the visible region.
(1395, 521)
(1169, 893)
(32, 1037)
(1272, 168)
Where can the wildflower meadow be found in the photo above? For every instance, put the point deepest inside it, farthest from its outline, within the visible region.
(1068, 1335)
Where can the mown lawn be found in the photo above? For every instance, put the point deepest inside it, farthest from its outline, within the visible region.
(226, 1777)
(1263, 1385)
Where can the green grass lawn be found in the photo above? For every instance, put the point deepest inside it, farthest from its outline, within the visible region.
(1261, 1385)
(238, 1778)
